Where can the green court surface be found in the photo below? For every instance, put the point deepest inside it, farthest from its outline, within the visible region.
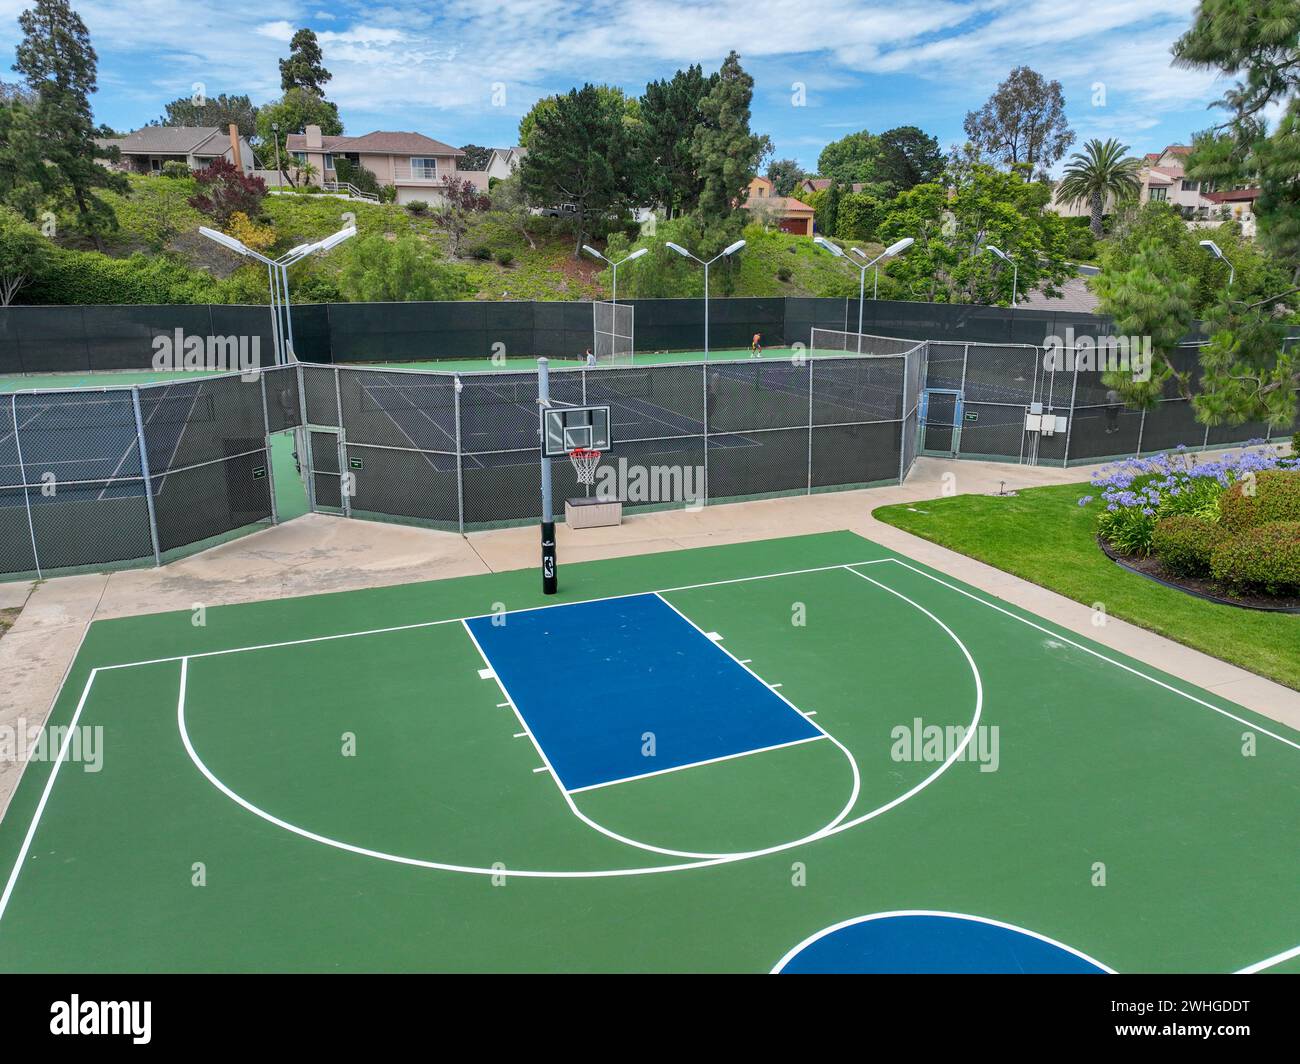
(124, 378)
(337, 783)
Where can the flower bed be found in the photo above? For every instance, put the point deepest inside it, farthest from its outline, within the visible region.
(1227, 529)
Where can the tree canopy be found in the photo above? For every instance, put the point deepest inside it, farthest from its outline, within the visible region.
(218, 111)
(60, 67)
(1022, 123)
(304, 69)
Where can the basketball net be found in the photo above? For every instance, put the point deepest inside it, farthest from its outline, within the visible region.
(584, 464)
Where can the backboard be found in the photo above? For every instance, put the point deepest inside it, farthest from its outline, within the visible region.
(567, 428)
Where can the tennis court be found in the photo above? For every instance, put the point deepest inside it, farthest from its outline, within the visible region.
(798, 754)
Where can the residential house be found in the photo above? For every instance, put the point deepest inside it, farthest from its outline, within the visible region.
(411, 163)
(1163, 178)
(146, 150)
(502, 162)
(821, 184)
(787, 213)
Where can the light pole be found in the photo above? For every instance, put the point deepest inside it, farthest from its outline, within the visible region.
(1015, 272)
(635, 255)
(731, 250)
(1214, 250)
(894, 249)
(277, 271)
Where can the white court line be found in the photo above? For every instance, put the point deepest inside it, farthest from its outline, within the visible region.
(1269, 962)
(1095, 653)
(526, 873)
(697, 764)
(594, 873)
(624, 839)
(780, 965)
(475, 617)
(45, 795)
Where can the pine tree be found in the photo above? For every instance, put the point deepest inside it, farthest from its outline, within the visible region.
(1246, 373)
(578, 153)
(727, 153)
(304, 68)
(670, 114)
(1149, 298)
(1260, 40)
(59, 64)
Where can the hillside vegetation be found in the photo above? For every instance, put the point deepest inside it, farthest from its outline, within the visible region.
(156, 255)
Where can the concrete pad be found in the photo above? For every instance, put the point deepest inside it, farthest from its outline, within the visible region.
(34, 664)
(14, 594)
(62, 601)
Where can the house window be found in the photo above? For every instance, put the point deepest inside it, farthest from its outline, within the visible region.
(424, 169)
(329, 160)
(300, 156)
(1158, 194)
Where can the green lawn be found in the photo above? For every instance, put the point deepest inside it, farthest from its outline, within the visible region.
(1043, 535)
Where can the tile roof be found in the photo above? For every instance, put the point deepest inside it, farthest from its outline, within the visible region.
(380, 142)
(166, 140)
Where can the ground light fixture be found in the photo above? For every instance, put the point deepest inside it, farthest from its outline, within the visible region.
(1217, 252)
(1015, 271)
(615, 265)
(724, 253)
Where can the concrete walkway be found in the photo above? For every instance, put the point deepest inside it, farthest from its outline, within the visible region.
(319, 553)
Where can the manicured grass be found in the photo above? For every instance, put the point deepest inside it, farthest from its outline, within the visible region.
(1043, 535)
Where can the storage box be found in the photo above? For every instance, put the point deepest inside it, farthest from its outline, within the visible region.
(592, 513)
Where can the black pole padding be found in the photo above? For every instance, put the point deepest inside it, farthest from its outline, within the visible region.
(550, 583)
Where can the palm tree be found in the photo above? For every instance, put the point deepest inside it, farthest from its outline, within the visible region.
(1100, 171)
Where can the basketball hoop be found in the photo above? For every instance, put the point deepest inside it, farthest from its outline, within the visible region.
(585, 462)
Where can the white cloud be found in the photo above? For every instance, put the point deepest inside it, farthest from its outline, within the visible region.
(413, 63)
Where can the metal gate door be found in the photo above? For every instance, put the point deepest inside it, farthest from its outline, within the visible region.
(941, 421)
(325, 455)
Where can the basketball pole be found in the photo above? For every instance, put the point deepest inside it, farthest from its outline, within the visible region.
(550, 584)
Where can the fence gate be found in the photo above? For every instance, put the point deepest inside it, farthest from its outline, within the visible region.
(325, 456)
(941, 413)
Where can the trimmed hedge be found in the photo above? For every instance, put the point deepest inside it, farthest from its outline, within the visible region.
(1185, 544)
(1276, 498)
(1264, 559)
(74, 277)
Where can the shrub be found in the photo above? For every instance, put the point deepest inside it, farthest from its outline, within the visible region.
(1127, 529)
(1184, 544)
(505, 256)
(175, 168)
(1263, 559)
(87, 277)
(417, 206)
(482, 252)
(1271, 495)
(225, 189)
(784, 273)
(1139, 492)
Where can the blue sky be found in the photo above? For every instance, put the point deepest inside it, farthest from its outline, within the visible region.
(466, 70)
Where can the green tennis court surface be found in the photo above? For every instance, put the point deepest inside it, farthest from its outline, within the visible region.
(21, 382)
(367, 781)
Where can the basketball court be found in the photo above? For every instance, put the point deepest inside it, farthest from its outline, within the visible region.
(794, 754)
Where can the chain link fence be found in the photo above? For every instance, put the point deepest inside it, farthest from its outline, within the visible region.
(978, 396)
(106, 477)
(461, 451)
